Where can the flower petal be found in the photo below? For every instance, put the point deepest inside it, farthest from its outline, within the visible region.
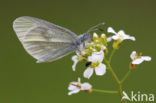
(121, 32)
(86, 86)
(101, 69)
(132, 38)
(111, 30)
(137, 61)
(73, 91)
(72, 87)
(133, 54)
(128, 37)
(88, 72)
(146, 58)
(96, 56)
(74, 58)
(109, 39)
(115, 37)
(74, 83)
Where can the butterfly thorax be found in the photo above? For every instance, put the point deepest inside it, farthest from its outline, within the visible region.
(82, 41)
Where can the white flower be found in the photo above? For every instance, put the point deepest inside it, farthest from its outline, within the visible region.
(80, 56)
(119, 35)
(136, 59)
(96, 63)
(75, 87)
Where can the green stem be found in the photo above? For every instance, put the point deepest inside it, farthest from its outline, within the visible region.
(114, 76)
(112, 72)
(104, 91)
(110, 57)
(126, 76)
(116, 80)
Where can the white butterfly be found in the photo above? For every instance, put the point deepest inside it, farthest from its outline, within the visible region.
(45, 41)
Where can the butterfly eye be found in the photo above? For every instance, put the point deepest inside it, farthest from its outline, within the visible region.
(100, 29)
(88, 64)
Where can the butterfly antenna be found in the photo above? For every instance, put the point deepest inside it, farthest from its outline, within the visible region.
(96, 27)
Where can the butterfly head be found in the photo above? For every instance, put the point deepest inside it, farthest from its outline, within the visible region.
(83, 40)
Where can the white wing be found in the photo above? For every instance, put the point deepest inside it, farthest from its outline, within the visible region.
(43, 40)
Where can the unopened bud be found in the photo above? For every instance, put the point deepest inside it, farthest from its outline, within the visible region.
(104, 39)
(95, 37)
(116, 44)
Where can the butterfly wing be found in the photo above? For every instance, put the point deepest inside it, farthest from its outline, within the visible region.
(43, 40)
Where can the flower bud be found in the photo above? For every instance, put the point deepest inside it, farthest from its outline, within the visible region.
(98, 46)
(116, 44)
(85, 53)
(96, 38)
(104, 39)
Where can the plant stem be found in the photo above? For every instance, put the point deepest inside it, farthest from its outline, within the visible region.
(115, 76)
(112, 72)
(126, 76)
(110, 57)
(104, 91)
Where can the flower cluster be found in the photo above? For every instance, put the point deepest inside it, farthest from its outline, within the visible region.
(94, 54)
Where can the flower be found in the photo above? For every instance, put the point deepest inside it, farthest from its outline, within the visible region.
(82, 56)
(75, 87)
(96, 63)
(119, 35)
(137, 59)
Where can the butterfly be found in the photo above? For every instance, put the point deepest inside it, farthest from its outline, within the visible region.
(45, 41)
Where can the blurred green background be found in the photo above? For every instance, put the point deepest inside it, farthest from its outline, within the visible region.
(24, 81)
